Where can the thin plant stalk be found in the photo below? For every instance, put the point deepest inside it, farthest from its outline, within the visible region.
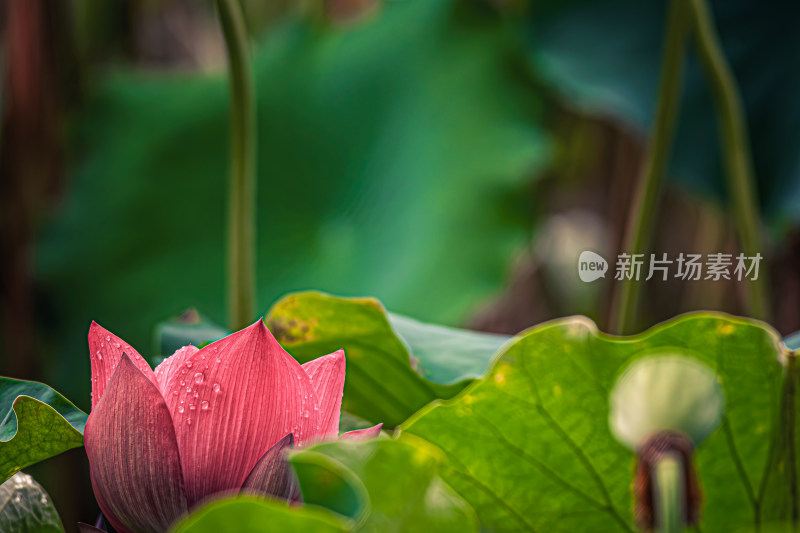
(735, 148)
(669, 497)
(242, 191)
(645, 205)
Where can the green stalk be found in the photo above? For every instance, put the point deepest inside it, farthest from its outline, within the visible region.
(668, 494)
(735, 147)
(242, 192)
(645, 203)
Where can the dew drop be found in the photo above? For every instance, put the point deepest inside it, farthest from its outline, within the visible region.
(191, 406)
(108, 338)
(204, 405)
(215, 387)
(99, 356)
(188, 389)
(116, 345)
(183, 383)
(180, 408)
(198, 378)
(174, 393)
(305, 414)
(188, 421)
(188, 364)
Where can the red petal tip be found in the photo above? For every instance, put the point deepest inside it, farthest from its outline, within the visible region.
(360, 435)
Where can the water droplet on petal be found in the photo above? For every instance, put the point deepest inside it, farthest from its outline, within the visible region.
(204, 405)
(191, 406)
(180, 408)
(198, 378)
(188, 389)
(183, 383)
(188, 421)
(188, 364)
(215, 387)
(108, 338)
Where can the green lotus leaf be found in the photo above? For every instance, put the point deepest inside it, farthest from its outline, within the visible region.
(37, 424)
(530, 448)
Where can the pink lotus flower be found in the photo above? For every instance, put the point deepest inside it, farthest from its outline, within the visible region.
(206, 421)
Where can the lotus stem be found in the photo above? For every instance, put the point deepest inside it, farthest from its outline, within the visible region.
(242, 192)
(668, 498)
(645, 203)
(735, 148)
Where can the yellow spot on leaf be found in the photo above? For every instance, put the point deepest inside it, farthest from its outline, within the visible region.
(725, 329)
(291, 330)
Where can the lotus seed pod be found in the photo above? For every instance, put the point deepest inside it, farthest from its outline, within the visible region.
(665, 392)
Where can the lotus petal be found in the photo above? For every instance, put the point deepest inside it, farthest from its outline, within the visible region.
(100, 525)
(359, 435)
(231, 402)
(273, 475)
(105, 510)
(133, 453)
(172, 364)
(86, 528)
(105, 351)
(327, 374)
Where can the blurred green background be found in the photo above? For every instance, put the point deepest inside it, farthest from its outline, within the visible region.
(449, 157)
